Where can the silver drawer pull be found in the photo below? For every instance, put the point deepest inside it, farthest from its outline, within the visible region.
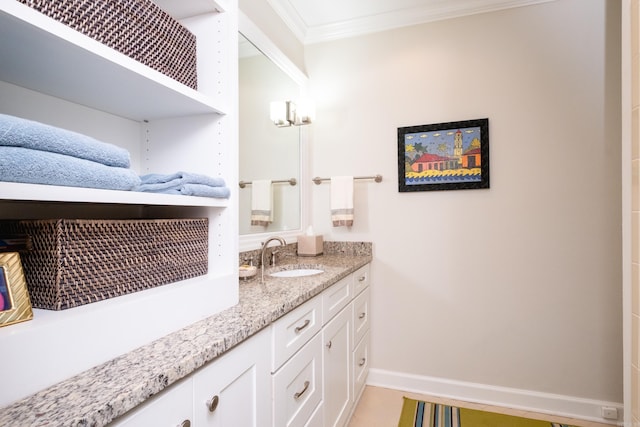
(185, 423)
(362, 315)
(362, 362)
(299, 394)
(362, 278)
(304, 325)
(213, 403)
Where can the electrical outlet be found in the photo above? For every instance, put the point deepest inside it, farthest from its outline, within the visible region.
(609, 413)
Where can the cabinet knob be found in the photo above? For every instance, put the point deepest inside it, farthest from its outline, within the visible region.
(362, 315)
(213, 403)
(299, 394)
(185, 423)
(329, 344)
(304, 325)
(362, 362)
(362, 278)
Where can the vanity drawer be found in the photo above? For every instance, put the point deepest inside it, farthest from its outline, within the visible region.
(297, 386)
(336, 297)
(361, 279)
(360, 366)
(294, 329)
(361, 316)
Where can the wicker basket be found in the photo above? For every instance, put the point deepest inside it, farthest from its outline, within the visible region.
(77, 262)
(136, 28)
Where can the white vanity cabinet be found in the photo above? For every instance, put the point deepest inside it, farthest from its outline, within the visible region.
(318, 350)
(232, 390)
(235, 389)
(345, 339)
(53, 74)
(361, 326)
(302, 371)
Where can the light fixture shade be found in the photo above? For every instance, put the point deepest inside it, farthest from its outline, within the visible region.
(278, 113)
(287, 113)
(305, 112)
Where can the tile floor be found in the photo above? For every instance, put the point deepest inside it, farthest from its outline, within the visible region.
(380, 407)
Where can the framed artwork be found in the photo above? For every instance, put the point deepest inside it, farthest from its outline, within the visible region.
(15, 305)
(444, 156)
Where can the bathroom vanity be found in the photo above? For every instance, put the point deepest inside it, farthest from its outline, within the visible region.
(293, 352)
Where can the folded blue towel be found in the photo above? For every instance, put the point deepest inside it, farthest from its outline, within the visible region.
(19, 164)
(198, 190)
(205, 191)
(185, 183)
(18, 132)
(156, 182)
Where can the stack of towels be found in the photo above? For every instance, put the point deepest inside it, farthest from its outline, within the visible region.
(184, 183)
(35, 153)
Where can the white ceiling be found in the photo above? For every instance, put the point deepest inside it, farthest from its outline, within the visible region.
(315, 21)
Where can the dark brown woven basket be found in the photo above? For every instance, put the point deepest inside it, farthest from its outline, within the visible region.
(136, 28)
(77, 262)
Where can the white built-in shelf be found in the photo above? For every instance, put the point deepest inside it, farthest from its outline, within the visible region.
(43, 55)
(52, 193)
(180, 9)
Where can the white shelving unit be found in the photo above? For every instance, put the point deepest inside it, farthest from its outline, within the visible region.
(53, 74)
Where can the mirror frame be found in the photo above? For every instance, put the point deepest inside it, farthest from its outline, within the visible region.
(260, 40)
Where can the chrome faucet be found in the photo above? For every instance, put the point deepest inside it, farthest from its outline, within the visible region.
(262, 251)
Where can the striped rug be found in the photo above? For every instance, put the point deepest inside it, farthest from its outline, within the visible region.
(416, 413)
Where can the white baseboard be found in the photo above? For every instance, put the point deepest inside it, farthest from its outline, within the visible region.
(568, 406)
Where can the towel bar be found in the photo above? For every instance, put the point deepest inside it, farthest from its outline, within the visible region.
(377, 178)
(291, 181)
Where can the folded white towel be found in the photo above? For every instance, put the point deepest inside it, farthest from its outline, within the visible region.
(261, 202)
(342, 200)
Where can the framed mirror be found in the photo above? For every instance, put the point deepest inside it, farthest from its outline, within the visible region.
(266, 151)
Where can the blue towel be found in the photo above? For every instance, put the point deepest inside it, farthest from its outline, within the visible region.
(199, 190)
(19, 164)
(156, 181)
(185, 183)
(18, 132)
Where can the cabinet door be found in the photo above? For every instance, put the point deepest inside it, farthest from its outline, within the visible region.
(234, 390)
(294, 329)
(297, 386)
(360, 316)
(361, 279)
(170, 408)
(336, 297)
(336, 361)
(360, 366)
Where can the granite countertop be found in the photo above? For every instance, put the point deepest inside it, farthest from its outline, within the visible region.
(103, 393)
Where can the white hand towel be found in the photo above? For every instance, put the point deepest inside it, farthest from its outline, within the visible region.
(261, 202)
(342, 200)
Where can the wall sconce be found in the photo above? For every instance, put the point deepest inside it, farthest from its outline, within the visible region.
(287, 113)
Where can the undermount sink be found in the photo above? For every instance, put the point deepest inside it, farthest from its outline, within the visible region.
(298, 272)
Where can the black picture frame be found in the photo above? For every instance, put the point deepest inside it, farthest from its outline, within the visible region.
(444, 156)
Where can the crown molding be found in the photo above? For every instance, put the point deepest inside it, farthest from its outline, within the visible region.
(388, 21)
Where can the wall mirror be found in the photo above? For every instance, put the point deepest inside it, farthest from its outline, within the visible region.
(265, 150)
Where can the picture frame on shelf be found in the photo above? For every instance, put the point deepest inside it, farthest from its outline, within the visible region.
(444, 156)
(15, 304)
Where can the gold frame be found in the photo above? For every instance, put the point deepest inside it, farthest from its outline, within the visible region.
(11, 268)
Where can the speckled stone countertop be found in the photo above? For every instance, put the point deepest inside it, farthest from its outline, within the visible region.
(103, 393)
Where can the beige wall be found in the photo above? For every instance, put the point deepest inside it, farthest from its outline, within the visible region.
(516, 286)
(635, 223)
